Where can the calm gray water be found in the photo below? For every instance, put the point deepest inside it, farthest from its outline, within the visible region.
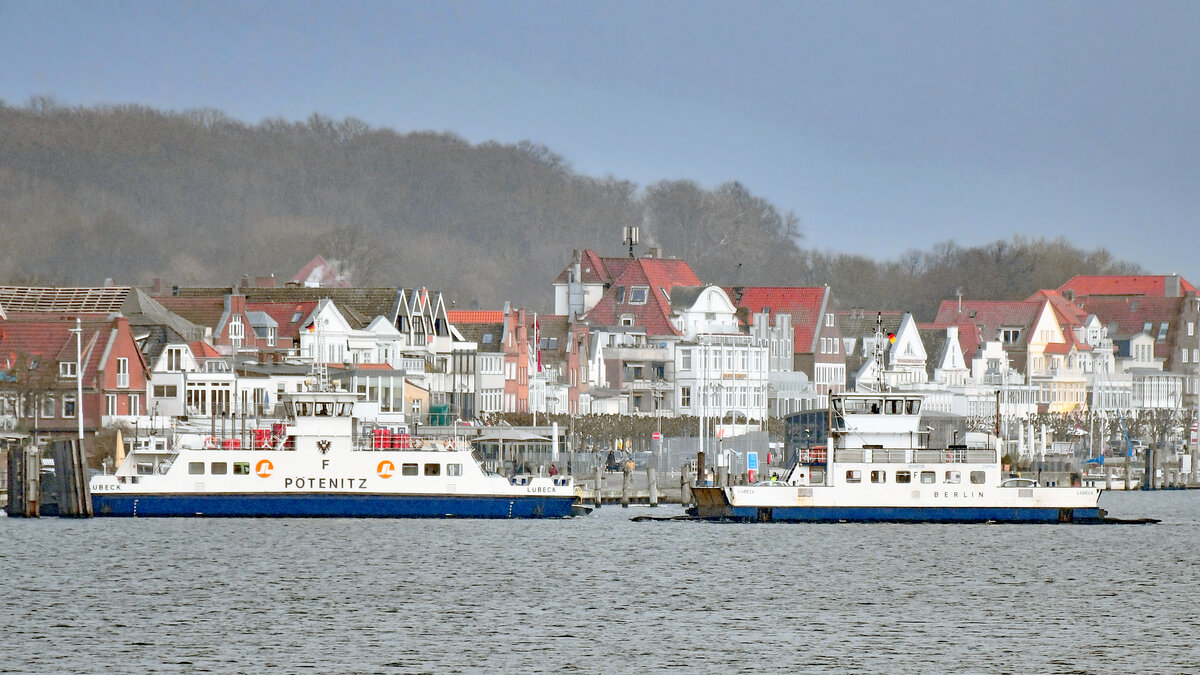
(603, 595)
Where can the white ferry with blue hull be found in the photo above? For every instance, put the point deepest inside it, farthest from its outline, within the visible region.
(875, 468)
(313, 465)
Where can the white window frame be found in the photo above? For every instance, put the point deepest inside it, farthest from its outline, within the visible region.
(66, 370)
(110, 405)
(123, 372)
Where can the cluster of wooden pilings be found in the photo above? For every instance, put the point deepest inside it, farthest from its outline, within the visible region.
(37, 489)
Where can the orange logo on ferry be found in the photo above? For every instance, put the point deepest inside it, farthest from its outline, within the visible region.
(264, 468)
(386, 469)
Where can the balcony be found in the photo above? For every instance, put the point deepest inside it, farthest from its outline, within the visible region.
(643, 353)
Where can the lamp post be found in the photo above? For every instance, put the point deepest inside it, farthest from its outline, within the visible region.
(78, 331)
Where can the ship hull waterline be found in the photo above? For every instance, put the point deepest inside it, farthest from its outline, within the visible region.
(325, 505)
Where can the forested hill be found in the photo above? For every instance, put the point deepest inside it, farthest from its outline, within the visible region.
(198, 198)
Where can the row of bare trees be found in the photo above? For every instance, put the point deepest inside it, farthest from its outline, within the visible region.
(199, 198)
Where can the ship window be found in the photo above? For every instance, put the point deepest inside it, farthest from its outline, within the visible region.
(241, 468)
(408, 469)
(928, 477)
(304, 409)
(196, 468)
(853, 476)
(325, 409)
(912, 406)
(816, 476)
(977, 477)
(953, 477)
(903, 476)
(433, 469)
(220, 468)
(878, 476)
(894, 406)
(345, 409)
(454, 469)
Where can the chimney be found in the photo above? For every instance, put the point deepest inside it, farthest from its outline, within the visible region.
(655, 252)
(156, 288)
(264, 282)
(245, 281)
(1171, 286)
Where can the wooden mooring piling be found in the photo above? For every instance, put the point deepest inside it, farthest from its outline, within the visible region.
(35, 489)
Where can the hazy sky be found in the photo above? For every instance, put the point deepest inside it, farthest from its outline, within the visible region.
(885, 126)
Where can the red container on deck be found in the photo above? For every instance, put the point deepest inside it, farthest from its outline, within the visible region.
(262, 439)
(382, 439)
(231, 443)
(401, 441)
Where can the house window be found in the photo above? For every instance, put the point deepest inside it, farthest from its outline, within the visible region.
(620, 294)
(122, 372)
(1162, 331)
(1191, 328)
(685, 359)
(685, 397)
(110, 404)
(1147, 327)
(272, 333)
(237, 331)
(135, 404)
(1010, 335)
(174, 359)
(637, 295)
(66, 369)
(68, 405)
(829, 320)
(1185, 356)
(165, 391)
(626, 319)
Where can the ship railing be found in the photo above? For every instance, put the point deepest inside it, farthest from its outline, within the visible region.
(814, 455)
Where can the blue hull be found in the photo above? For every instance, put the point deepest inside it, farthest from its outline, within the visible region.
(329, 506)
(932, 514)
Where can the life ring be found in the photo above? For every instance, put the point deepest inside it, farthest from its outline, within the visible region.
(210, 443)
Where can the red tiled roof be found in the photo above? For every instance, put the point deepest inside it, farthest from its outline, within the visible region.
(1150, 286)
(656, 273)
(989, 315)
(1068, 313)
(202, 311)
(457, 316)
(321, 271)
(50, 340)
(803, 303)
(282, 313)
(203, 350)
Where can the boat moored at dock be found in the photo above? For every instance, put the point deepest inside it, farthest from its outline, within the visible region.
(319, 462)
(875, 467)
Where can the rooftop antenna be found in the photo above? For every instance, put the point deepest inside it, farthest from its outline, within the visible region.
(629, 235)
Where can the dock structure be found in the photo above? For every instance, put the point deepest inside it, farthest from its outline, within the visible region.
(59, 488)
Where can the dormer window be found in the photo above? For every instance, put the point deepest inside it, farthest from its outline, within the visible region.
(638, 295)
(626, 319)
(66, 370)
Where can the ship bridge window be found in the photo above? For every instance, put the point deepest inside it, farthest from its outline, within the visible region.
(345, 409)
(878, 476)
(894, 406)
(953, 477)
(220, 468)
(903, 476)
(854, 476)
(304, 408)
(863, 406)
(408, 469)
(928, 477)
(241, 468)
(196, 468)
(433, 469)
(324, 409)
(912, 406)
(454, 469)
(978, 477)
